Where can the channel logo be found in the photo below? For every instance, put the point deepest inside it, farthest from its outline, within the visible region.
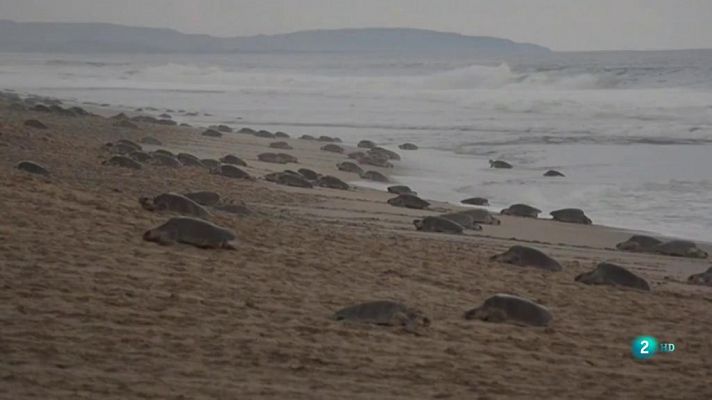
(645, 347)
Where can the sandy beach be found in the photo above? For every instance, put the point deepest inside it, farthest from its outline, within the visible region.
(89, 310)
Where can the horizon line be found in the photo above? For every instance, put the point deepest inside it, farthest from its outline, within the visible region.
(358, 28)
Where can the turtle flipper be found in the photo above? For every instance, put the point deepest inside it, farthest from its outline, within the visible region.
(407, 322)
(147, 203)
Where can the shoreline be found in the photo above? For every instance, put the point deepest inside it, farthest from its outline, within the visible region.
(400, 169)
(236, 124)
(106, 111)
(90, 309)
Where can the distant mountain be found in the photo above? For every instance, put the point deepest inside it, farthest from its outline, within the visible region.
(109, 38)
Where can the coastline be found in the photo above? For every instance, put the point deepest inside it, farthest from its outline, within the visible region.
(619, 232)
(86, 298)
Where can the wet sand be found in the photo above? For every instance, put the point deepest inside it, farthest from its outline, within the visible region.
(89, 310)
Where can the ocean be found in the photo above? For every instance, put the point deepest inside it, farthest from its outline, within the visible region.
(632, 131)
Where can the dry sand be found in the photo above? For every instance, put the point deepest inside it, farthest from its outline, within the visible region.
(88, 310)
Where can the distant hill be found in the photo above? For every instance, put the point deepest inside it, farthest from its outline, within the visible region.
(110, 38)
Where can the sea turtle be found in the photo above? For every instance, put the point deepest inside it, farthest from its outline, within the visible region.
(375, 155)
(639, 243)
(309, 174)
(391, 155)
(212, 133)
(511, 309)
(246, 130)
(680, 248)
(348, 166)
(408, 146)
(553, 172)
(332, 182)
(135, 146)
(166, 116)
(374, 158)
(79, 111)
(174, 202)
(59, 110)
(204, 198)
(163, 152)
(615, 275)
(374, 176)
(571, 215)
(356, 155)
(264, 134)
(210, 163)
(166, 122)
(140, 156)
(189, 160)
(120, 148)
(234, 160)
(289, 179)
(500, 164)
(476, 201)
(366, 144)
(32, 167)
(223, 128)
(73, 111)
(128, 143)
(527, 257)
(230, 171)
(324, 138)
(119, 116)
(480, 216)
(281, 135)
(162, 160)
(33, 123)
(521, 210)
(387, 313)
(122, 161)
(62, 111)
(193, 231)
(408, 201)
(56, 109)
(332, 148)
(280, 145)
(703, 278)
(462, 219)
(151, 141)
(438, 224)
(377, 161)
(145, 118)
(288, 158)
(271, 158)
(307, 137)
(401, 189)
(40, 108)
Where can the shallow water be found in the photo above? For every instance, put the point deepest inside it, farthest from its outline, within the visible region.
(632, 131)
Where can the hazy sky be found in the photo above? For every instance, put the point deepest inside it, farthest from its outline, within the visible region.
(559, 24)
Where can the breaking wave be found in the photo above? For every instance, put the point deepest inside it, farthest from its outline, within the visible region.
(467, 78)
(502, 77)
